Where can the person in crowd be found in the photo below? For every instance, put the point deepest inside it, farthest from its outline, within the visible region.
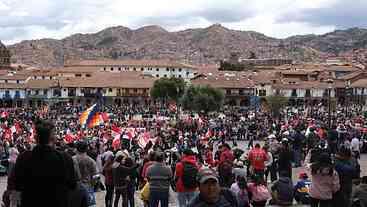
(346, 171)
(257, 158)
(107, 173)
(86, 170)
(332, 139)
(285, 158)
(282, 190)
(268, 162)
(44, 177)
(301, 189)
(185, 177)
(355, 147)
(13, 155)
(239, 170)
(210, 192)
(359, 194)
(325, 182)
(240, 189)
(225, 165)
(259, 191)
(159, 177)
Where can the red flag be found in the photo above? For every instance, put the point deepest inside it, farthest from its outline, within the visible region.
(116, 143)
(8, 134)
(69, 137)
(115, 131)
(144, 139)
(105, 117)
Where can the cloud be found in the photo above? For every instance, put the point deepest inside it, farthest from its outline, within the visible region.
(341, 14)
(25, 19)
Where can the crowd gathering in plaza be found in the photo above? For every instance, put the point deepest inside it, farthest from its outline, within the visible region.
(53, 160)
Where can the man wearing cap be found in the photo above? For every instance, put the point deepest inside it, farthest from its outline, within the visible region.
(211, 194)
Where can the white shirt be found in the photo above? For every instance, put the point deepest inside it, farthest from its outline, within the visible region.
(355, 144)
(13, 154)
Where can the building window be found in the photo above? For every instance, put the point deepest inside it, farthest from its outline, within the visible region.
(135, 90)
(88, 75)
(165, 75)
(157, 69)
(157, 76)
(240, 91)
(228, 92)
(134, 69)
(141, 69)
(6, 81)
(119, 69)
(111, 69)
(35, 77)
(36, 92)
(308, 93)
(173, 70)
(45, 91)
(180, 69)
(78, 75)
(294, 93)
(18, 81)
(110, 90)
(167, 69)
(43, 77)
(104, 69)
(180, 76)
(187, 73)
(262, 92)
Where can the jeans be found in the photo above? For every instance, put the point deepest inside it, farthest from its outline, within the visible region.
(109, 195)
(320, 203)
(130, 195)
(158, 196)
(185, 197)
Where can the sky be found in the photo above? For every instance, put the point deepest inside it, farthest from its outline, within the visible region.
(35, 19)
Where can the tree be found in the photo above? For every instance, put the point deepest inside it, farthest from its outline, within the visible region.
(202, 98)
(168, 89)
(276, 103)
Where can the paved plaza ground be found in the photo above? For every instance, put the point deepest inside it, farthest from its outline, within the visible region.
(138, 203)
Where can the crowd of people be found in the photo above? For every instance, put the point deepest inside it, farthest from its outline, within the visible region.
(52, 160)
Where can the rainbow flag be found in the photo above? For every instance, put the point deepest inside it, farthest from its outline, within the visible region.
(91, 117)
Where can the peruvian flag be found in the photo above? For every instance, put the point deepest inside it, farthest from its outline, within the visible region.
(116, 131)
(144, 139)
(130, 133)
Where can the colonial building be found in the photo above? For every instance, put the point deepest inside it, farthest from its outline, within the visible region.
(156, 68)
(237, 89)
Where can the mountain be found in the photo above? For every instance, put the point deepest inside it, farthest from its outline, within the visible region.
(196, 46)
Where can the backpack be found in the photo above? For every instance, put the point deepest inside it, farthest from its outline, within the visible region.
(190, 172)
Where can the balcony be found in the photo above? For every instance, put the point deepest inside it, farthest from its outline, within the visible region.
(7, 96)
(37, 96)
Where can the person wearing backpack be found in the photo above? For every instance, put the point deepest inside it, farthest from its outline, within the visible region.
(185, 177)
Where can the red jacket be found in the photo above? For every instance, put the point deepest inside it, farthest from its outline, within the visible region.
(179, 173)
(225, 156)
(257, 157)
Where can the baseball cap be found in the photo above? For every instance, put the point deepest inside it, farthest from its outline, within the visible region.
(205, 174)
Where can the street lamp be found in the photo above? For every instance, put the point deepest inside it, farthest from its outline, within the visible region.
(330, 86)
